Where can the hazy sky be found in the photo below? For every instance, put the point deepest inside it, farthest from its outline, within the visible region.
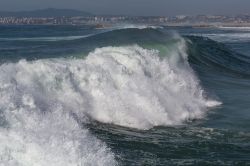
(135, 7)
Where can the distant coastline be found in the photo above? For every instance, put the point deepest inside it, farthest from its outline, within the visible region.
(53, 16)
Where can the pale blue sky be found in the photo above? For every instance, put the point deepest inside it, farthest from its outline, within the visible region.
(135, 7)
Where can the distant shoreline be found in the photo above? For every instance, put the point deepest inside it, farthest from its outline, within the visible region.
(98, 25)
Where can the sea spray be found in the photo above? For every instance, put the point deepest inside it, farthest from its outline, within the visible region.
(45, 102)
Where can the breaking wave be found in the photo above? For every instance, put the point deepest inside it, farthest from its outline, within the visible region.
(45, 104)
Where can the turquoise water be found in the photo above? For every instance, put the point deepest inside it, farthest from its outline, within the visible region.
(76, 95)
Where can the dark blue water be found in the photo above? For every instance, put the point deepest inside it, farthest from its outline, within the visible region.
(51, 60)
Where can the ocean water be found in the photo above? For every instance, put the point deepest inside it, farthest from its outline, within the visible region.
(126, 95)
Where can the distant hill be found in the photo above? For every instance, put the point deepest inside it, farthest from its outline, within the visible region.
(50, 12)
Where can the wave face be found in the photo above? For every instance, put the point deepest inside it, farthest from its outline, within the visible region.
(208, 54)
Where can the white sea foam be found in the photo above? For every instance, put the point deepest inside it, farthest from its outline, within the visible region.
(45, 102)
(48, 139)
(135, 26)
(235, 28)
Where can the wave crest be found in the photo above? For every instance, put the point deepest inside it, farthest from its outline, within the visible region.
(134, 87)
(45, 102)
